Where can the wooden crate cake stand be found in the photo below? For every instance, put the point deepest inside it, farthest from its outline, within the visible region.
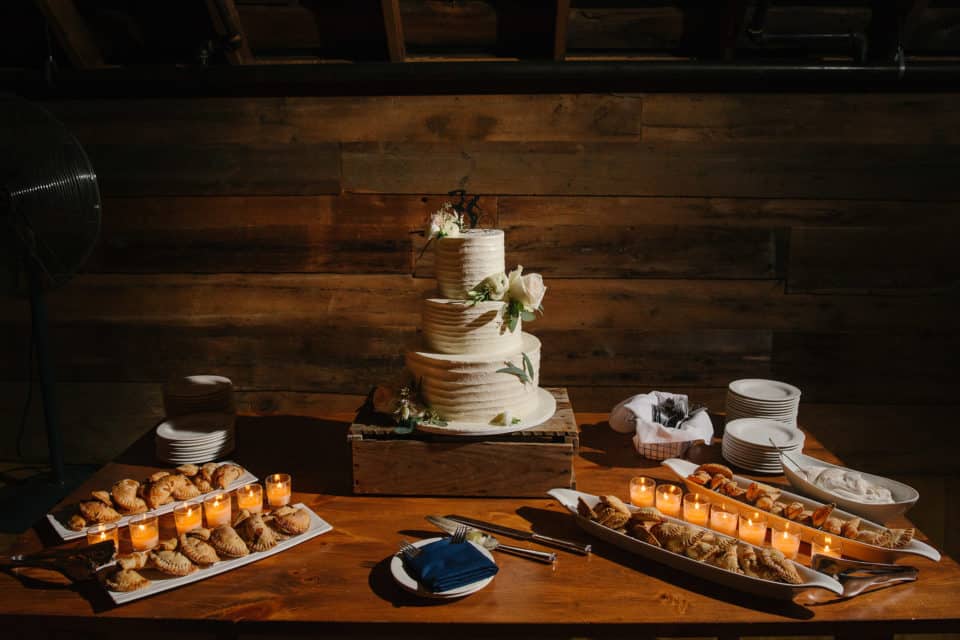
(516, 465)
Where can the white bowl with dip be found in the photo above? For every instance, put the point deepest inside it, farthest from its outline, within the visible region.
(902, 496)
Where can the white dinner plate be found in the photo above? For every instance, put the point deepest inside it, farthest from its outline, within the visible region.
(758, 432)
(197, 386)
(408, 582)
(182, 446)
(769, 390)
(196, 427)
(546, 407)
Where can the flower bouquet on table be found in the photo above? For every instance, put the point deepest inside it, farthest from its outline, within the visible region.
(664, 424)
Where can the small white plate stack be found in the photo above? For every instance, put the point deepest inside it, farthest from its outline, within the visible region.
(196, 438)
(198, 394)
(746, 443)
(756, 398)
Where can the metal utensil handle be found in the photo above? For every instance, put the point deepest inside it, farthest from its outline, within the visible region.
(566, 545)
(545, 557)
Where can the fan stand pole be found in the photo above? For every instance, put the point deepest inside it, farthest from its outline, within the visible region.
(38, 322)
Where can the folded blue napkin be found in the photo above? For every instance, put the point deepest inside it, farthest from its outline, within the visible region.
(442, 565)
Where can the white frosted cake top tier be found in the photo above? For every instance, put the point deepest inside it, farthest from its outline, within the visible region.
(458, 326)
(462, 262)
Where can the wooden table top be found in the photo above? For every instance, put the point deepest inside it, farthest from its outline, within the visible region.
(340, 582)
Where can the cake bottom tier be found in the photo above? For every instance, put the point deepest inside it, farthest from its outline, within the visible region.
(471, 387)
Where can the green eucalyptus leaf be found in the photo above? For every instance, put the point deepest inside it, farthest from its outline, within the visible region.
(514, 370)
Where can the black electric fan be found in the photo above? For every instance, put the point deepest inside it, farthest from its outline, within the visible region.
(49, 222)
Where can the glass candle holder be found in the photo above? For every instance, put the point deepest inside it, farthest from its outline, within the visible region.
(216, 510)
(250, 497)
(668, 499)
(786, 539)
(103, 532)
(188, 516)
(753, 528)
(696, 509)
(723, 520)
(144, 531)
(826, 545)
(642, 491)
(279, 487)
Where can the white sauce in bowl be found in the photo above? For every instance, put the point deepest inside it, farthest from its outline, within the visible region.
(847, 484)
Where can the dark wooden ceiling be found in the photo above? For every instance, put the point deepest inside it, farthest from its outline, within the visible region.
(50, 37)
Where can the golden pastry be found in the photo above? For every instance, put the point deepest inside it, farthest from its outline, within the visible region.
(182, 488)
(76, 522)
(126, 580)
(124, 494)
(296, 521)
(135, 560)
(255, 532)
(202, 484)
(96, 511)
(197, 550)
(227, 542)
(172, 563)
(714, 467)
(102, 496)
(188, 470)
(225, 475)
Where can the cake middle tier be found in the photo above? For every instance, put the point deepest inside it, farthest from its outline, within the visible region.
(459, 326)
(463, 261)
(472, 387)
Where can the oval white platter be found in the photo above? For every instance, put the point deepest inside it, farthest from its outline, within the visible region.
(408, 582)
(756, 586)
(851, 548)
(66, 533)
(160, 582)
(546, 407)
(904, 496)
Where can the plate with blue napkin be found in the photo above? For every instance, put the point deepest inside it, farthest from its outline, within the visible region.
(444, 569)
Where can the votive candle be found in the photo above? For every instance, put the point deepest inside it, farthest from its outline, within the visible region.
(826, 545)
(250, 497)
(216, 508)
(144, 531)
(786, 540)
(188, 516)
(753, 528)
(103, 532)
(696, 509)
(641, 491)
(668, 499)
(279, 486)
(723, 520)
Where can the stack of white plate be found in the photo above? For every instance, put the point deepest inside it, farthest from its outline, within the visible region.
(756, 398)
(747, 443)
(198, 394)
(197, 438)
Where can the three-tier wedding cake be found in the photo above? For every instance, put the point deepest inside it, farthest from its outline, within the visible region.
(476, 369)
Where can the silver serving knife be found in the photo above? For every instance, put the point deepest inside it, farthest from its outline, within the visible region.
(489, 542)
(566, 545)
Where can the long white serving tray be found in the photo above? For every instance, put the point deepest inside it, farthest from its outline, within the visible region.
(66, 533)
(741, 582)
(851, 548)
(160, 582)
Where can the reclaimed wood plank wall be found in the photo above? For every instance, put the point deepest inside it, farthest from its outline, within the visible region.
(687, 240)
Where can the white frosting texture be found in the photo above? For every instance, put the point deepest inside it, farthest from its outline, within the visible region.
(462, 262)
(468, 387)
(458, 326)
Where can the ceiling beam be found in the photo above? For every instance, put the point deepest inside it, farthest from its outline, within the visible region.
(227, 24)
(72, 33)
(393, 27)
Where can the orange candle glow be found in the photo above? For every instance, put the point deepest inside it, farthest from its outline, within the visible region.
(668, 500)
(279, 487)
(696, 509)
(216, 509)
(753, 528)
(250, 498)
(641, 491)
(188, 516)
(144, 531)
(786, 540)
(103, 532)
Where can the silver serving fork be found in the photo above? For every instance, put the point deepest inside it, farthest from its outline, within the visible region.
(459, 535)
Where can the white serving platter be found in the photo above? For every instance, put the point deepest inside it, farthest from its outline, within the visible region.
(66, 533)
(851, 548)
(546, 407)
(741, 582)
(904, 496)
(408, 582)
(160, 582)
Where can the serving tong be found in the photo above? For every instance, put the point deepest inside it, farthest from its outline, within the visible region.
(77, 564)
(856, 576)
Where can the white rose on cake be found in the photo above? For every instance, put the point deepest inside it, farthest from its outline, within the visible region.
(527, 289)
(497, 285)
(444, 223)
